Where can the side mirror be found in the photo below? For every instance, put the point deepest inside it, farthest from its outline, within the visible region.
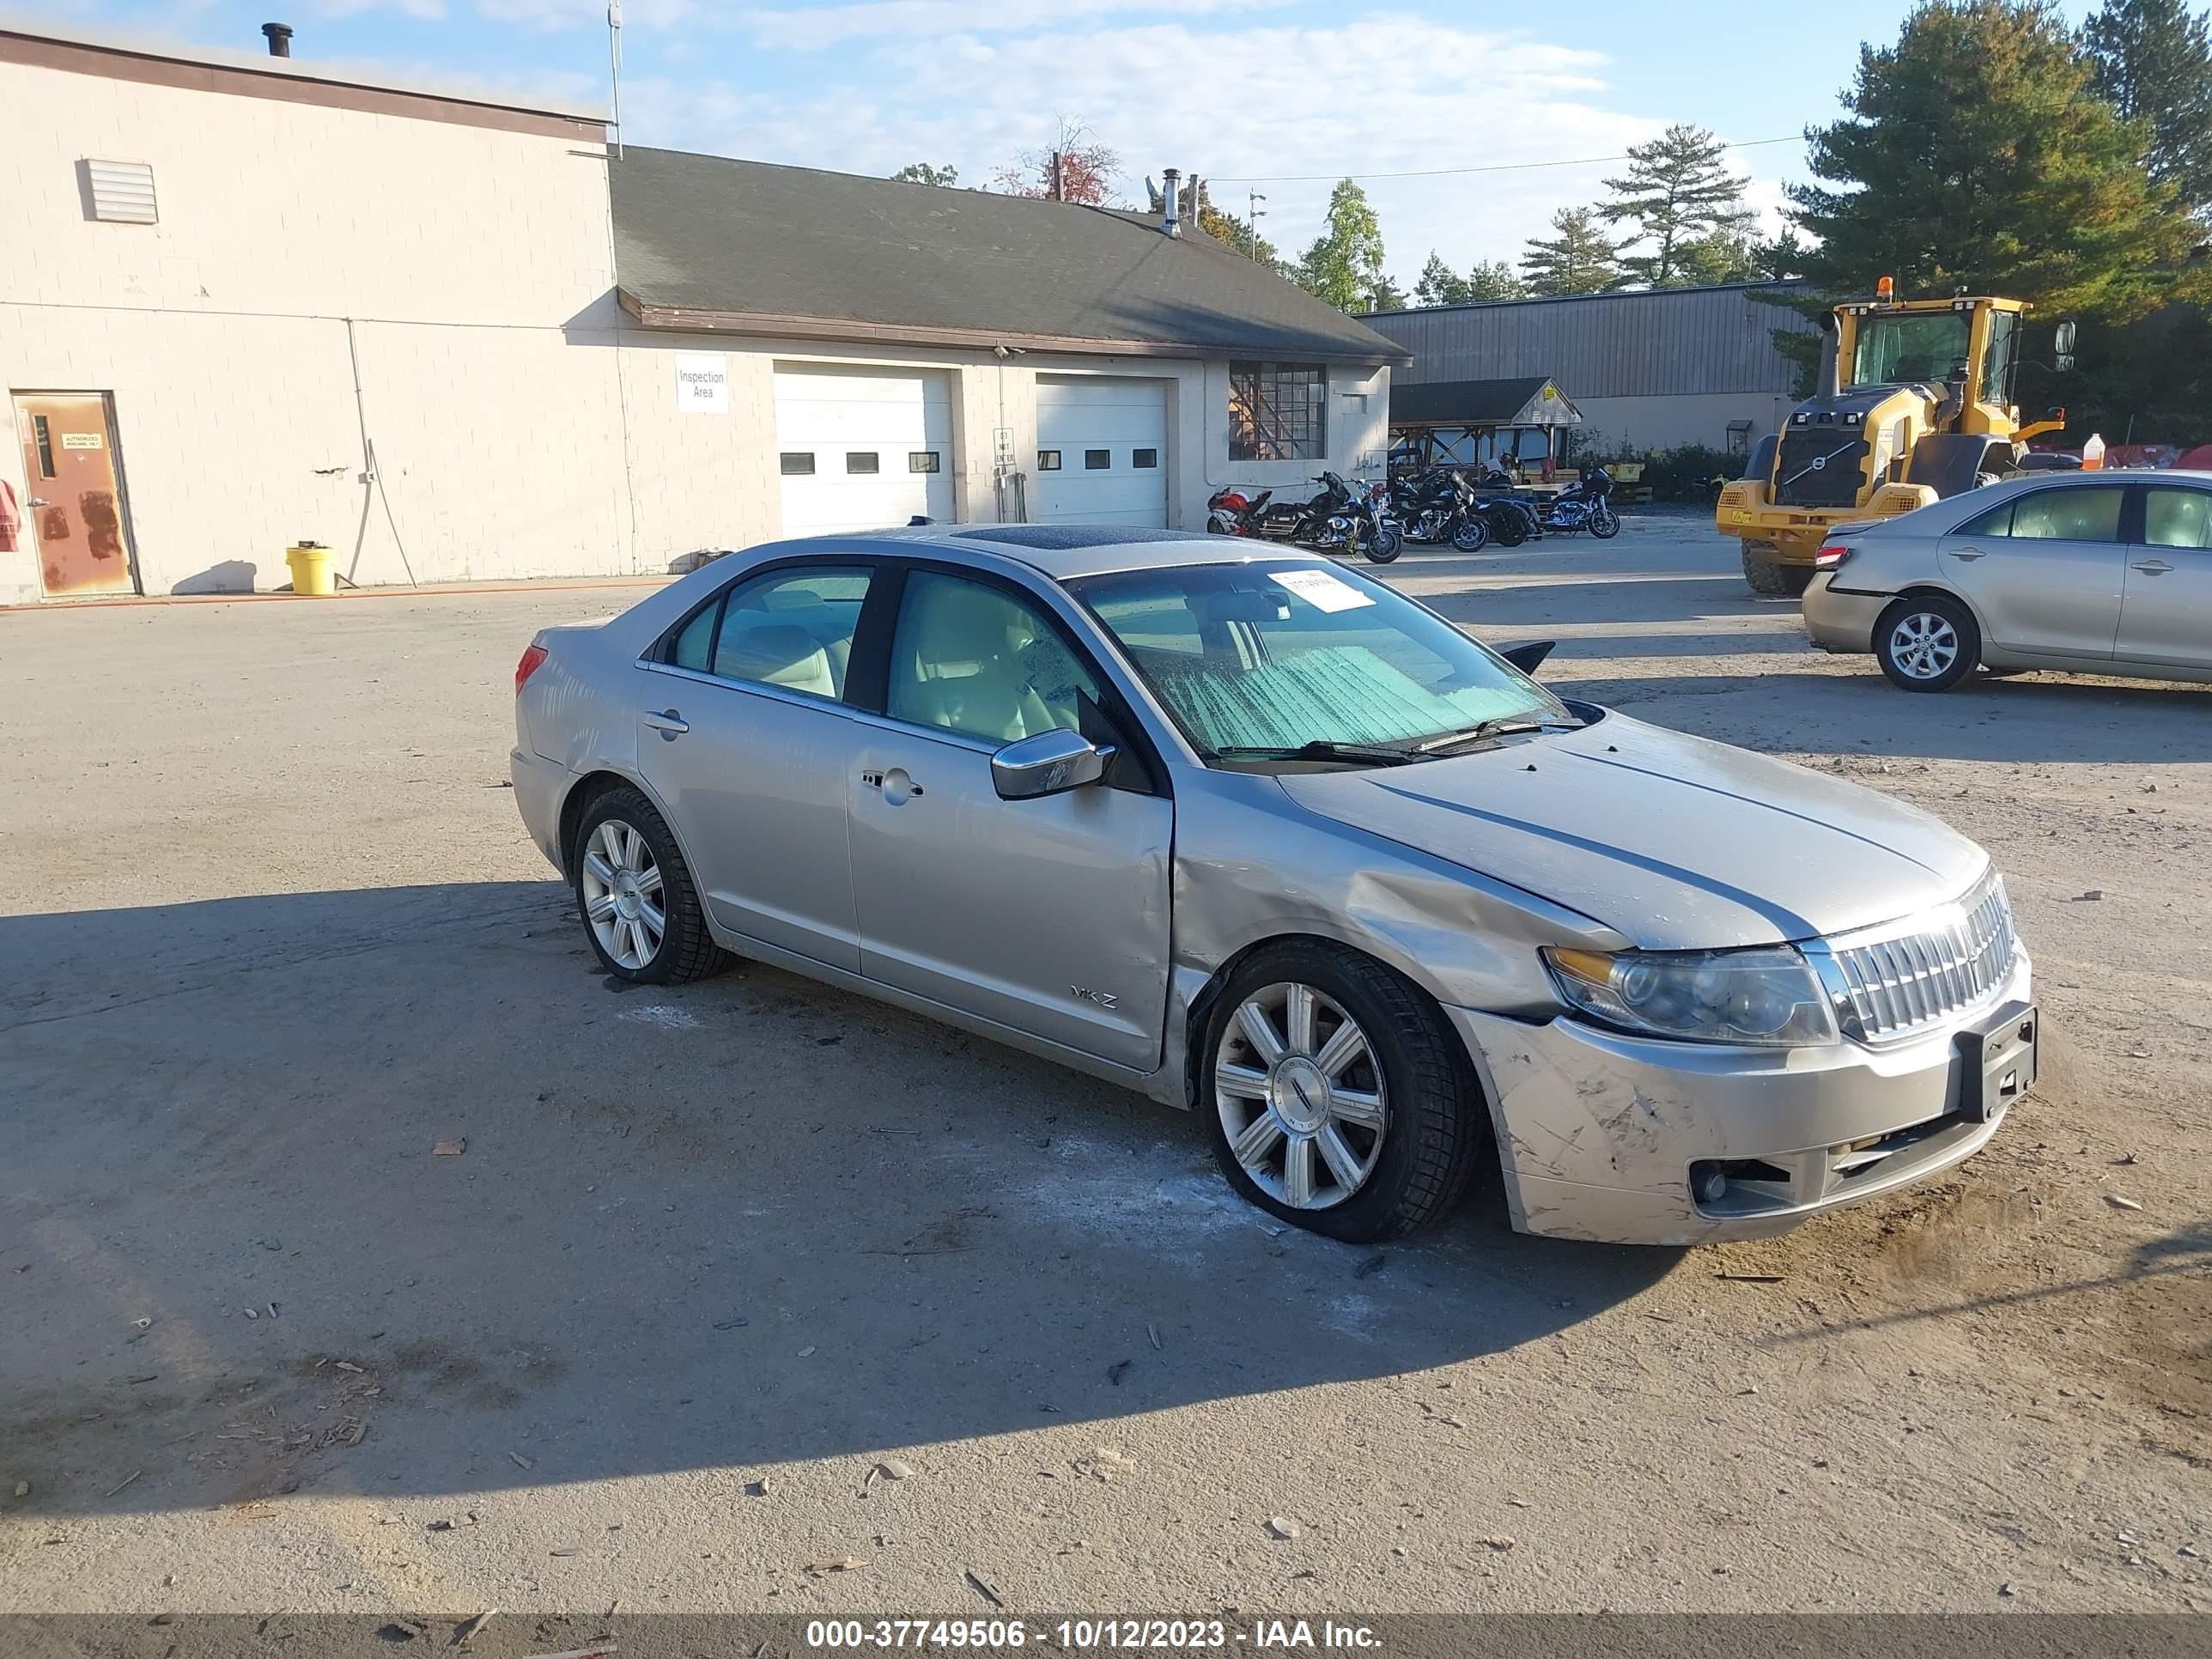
(1530, 657)
(1049, 763)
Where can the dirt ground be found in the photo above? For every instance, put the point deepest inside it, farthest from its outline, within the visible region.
(714, 1258)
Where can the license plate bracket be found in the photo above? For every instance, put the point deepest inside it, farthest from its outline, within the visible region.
(1997, 1061)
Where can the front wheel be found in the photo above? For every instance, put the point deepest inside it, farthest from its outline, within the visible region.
(1470, 535)
(1335, 1096)
(1384, 544)
(640, 906)
(1927, 642)
(1604, 522)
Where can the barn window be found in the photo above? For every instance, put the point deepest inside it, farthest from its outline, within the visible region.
(1275, 412)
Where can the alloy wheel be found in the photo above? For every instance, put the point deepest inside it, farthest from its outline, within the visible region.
(1923, 645)
(1300, 1097)
(621, 885)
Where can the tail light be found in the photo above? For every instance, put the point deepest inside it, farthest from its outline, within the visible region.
(1831, 556)
(533, 657)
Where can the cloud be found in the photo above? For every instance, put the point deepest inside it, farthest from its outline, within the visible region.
(811, 27)
(1227, 104)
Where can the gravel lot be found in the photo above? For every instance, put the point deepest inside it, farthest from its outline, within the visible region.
(271, 930)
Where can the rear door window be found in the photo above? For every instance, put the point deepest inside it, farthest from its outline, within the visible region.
(2087, 514)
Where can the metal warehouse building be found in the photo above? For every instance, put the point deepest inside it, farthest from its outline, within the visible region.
(1649, 369)
(246, 302)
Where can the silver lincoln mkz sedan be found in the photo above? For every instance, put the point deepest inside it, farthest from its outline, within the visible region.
(1261, 837)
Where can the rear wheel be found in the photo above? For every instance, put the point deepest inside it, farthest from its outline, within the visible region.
(1927, 642)
(1508, 527)
(1335, 1096)
(641, 908)
(1768, 577)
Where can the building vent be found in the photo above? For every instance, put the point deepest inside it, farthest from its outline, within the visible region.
(121, 193)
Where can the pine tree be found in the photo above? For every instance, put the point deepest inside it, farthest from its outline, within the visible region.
(1493, 279)
(1343, 266)
(1580, 259)
(1977, 155)
(2152, 61)
(1439, 284)
(1679, 190)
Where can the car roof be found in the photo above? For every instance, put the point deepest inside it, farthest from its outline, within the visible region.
(2068, 478)
(1066, 552)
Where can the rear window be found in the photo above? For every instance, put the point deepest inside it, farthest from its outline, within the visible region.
(2091, 513)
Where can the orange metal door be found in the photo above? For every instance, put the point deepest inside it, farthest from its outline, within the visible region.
(74, 513)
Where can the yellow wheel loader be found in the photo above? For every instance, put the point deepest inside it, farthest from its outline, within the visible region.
(1914, 403)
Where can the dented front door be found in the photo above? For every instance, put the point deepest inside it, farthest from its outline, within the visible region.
(73, 513)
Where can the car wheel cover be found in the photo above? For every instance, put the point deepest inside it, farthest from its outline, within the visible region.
(622, 894)
(1923, 645)
(1300, 1096)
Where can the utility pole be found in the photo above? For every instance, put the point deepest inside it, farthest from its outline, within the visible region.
(1253, 212)
(1056, 195)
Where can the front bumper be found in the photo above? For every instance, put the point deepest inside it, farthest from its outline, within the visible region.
(1841, 621)
(540, 786)
(1597, 1132)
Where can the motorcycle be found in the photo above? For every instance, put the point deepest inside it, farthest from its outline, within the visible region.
(1511, 519)
(1585, 505)
(1344, 517)
(1437, 506)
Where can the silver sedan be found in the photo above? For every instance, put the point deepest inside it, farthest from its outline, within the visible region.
(2098, 572)
(1266, 839)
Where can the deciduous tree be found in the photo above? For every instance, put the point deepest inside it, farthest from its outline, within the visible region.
(1343, 266)
(920, 173)
(1087, 170)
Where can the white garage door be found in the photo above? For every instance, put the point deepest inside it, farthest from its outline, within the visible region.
(1101, 452)
(862, 449)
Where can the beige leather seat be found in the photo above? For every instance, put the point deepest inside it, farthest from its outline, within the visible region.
(773, 654)
(959, 664)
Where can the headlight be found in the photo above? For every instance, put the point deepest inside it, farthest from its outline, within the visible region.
(1767, 994)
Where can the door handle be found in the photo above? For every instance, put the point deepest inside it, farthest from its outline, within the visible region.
(1968, 553)
(898, 788)
(41, 501)
(2152, 567)
(666, 721)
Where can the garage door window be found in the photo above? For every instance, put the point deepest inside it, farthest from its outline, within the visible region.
(922, 461)
(797, 463)
(863, 460)
(1098, 460)
(1275, 412)
(1141, 458)
(1048, 460)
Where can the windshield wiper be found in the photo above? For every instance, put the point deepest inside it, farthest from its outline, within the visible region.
(1321, 749)
(1503, 725)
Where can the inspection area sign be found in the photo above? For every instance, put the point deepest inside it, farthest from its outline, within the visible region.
(703, 383)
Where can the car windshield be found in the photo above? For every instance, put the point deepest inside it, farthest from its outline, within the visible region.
(1260, 659)
(1927, 345)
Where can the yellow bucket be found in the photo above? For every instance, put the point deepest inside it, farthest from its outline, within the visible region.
(311, 568)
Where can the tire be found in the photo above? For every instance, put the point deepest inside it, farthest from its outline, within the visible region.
(623, 837)
(1383, 545)
(1927, 642)
(1771, 579)
(1470, 534)
(1510, 528)
(1402, 1117)
(1604, 522)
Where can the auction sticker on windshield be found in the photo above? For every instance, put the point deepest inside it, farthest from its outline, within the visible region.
(1321, 590)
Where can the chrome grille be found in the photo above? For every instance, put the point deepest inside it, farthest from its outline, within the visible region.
(1904, 981)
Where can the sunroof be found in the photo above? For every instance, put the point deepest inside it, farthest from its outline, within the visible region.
(1066, 537)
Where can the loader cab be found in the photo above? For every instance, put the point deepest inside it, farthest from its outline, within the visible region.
(1968, 347)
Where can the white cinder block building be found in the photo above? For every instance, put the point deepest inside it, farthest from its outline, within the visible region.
(245, 302)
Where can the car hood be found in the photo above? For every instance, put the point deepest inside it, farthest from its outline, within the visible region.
(1676, 842)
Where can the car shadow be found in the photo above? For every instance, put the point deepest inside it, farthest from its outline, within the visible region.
(391, 1191)
(2028, 718)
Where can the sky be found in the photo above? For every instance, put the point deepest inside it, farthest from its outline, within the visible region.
(1279, 96)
